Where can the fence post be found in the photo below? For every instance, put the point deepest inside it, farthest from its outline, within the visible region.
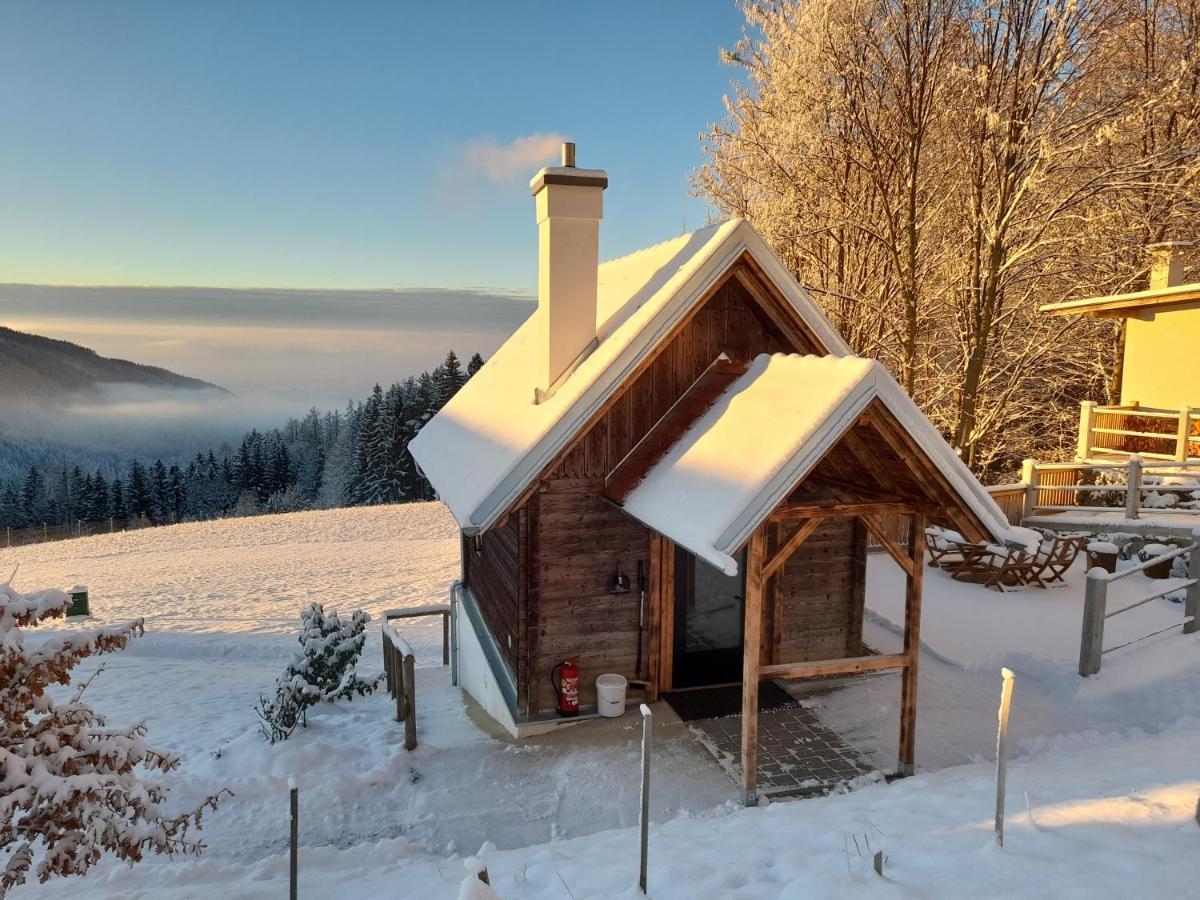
(1087, 421)
(1133, 487)
(293, 862)
(1183, 433)
(1029, 475)
(410, 703)
(1095, 598)
(454, 634)
(647, 723)
(1191, 605)
(1002, 750)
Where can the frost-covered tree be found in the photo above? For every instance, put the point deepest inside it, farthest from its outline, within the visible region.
(474, 364)
(321, 671)
(73, 788)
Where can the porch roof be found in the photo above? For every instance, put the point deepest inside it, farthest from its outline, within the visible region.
(1120, 305)
(761, 438)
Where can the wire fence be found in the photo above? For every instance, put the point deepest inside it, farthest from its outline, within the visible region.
(37, 534)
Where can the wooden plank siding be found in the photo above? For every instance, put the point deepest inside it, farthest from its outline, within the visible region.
(493, 577)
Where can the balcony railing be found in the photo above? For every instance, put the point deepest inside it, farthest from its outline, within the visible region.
(1167, 434)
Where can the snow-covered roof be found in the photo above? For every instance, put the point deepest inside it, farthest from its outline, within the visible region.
(491, 440)
(762, 437)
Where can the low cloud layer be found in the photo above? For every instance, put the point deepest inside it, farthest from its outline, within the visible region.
(504, 163)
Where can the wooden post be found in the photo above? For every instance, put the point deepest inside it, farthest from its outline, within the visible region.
(1029, 475)
(1006, 689)
(1191, 604)
(1095, 597)
(1183, 433)
(445, 638)
(1133, 487)
(912, 645)
(294, 861)
(644, 820)
(410, 703)
(1087, 421)
(751, 664)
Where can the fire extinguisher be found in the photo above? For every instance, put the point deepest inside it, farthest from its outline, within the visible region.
(565, 678)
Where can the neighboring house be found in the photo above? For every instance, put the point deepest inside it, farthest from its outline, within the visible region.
(1160, 381)
(686, 412)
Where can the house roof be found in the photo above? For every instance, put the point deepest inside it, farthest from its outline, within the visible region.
(764, 434)
(1126, 304)
(488, 444)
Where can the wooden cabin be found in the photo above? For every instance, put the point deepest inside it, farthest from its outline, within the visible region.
(691, 416)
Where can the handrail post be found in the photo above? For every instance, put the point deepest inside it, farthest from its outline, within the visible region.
(1095, 597)
(1133, 487)
(1183, 433)
(410, 703)
(1191, 603)
(1029, 475)
(1087, 421)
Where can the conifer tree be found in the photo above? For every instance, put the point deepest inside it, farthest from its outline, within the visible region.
(474, 364)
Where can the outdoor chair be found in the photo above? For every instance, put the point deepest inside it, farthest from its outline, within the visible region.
(993, 566)
(945, 547)
(1053, 559)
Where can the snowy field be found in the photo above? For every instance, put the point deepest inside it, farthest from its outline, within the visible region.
(1102, 790)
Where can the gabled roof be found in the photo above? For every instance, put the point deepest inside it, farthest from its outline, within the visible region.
(1118, 305)
(488, 444)
(763, 436)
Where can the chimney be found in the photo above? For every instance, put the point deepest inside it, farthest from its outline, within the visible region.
(1166, 268)
(570, 205)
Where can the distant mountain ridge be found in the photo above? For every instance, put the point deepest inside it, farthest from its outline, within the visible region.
(39, 368)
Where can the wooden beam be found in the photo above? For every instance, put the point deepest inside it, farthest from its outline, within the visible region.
(837, 510)
(846, 666)
(797, 537)
(751, 663)
(912, 645)
(895, 551)
(661, 632)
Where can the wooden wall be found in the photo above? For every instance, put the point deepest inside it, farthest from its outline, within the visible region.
(581, 538)
(814, 604)
(492, 574)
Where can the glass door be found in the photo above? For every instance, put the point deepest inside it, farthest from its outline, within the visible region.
(709, 620)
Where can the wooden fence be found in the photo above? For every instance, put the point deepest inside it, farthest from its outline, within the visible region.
(1164, 434)
(1079, 487)
(1009, 497)
(399, 664)
(1095, 600)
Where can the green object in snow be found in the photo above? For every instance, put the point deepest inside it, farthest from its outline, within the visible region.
(79, 602)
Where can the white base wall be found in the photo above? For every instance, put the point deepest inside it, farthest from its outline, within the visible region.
(475, 676)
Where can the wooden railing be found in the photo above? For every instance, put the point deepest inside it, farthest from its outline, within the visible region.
(1081, 487)
(1166, 434)
(1009, 497)
(1095, 600)
(399, 664)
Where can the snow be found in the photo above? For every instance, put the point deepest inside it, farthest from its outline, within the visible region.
(491, 439)
(1102, 781)
(764, 434)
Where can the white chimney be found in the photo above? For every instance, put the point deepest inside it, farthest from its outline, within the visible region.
(1166, 268)
(570, 205)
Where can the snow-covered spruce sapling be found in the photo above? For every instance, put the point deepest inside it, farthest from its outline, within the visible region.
(70, 788)
(322, 670)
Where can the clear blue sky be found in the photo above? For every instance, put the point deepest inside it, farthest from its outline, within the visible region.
(338, 144)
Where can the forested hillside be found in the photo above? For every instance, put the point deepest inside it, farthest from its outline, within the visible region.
(348, 457)
(43, 369)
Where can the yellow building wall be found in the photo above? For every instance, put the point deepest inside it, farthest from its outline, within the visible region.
(1162, 359)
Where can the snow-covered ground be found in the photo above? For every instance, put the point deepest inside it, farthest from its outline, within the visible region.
(1101, 792)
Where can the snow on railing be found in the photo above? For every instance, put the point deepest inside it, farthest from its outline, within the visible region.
(1095, 601)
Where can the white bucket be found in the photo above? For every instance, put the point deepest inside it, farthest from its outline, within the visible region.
(610, 695)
